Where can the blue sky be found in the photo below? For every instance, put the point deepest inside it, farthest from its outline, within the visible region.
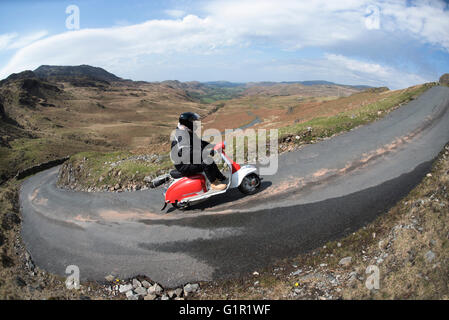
(392, 43)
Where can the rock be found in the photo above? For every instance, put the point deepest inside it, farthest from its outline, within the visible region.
(9, 220)
(429, 256)
(147, 179)
(150, 297)
(179, 292)
(109, 278)
(297, 272)
(141, 291)
(131, 296)
(345, 261)
(20, 282)
(146, 284)
(189, 288)
(171, 294)
(136, 283)
(165, 297)
(125, 288)
(155, 289)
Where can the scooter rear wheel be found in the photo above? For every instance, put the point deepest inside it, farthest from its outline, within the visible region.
(250, 184)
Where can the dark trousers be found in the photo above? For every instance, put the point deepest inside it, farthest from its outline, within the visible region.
(211, 170)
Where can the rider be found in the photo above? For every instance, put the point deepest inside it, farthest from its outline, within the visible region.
(182, 149)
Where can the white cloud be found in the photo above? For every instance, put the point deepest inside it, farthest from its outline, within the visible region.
(428, 21)
(14, 41)
(292, 24)
(285, 25)
(103, 47)
(339, 69)
(5, 40)
(373, 73)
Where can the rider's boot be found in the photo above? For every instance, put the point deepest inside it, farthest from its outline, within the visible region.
(217, 185)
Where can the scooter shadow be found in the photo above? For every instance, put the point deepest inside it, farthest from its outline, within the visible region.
(229, 196)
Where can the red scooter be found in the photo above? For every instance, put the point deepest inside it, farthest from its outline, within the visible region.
(185, 191)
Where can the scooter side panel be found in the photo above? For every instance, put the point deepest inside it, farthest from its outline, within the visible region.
(185, 187)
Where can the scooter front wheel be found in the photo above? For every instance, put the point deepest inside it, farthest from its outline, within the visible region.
(250, 184)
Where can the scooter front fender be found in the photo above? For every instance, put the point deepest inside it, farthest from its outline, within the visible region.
(237, 177)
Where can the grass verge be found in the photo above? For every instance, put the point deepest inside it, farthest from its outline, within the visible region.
(323, 127)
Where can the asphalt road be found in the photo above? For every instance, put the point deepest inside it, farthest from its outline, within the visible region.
(320, 193)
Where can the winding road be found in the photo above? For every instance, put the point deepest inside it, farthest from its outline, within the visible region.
(320, 193)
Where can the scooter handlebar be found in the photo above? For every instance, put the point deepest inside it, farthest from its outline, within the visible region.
(220, 146)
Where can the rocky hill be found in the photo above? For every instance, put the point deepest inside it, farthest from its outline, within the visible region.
(444, 79)
(83, 71)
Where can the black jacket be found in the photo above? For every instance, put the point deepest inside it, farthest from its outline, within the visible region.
(187, 148)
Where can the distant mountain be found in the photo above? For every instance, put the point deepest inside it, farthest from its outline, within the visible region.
(223, 84)
(316, 82)
(312, 83)
(227, 84)
(83, 71)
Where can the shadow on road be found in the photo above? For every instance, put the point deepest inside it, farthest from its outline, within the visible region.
(293, 230)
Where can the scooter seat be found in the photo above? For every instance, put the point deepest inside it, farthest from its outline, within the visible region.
(175, 174)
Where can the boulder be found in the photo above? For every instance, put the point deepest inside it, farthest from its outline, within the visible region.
(150, 297)
(136, 283)
(155, 289)
(125, 288)
(141, 291)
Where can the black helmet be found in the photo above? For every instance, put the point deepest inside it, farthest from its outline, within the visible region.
(187, 119)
